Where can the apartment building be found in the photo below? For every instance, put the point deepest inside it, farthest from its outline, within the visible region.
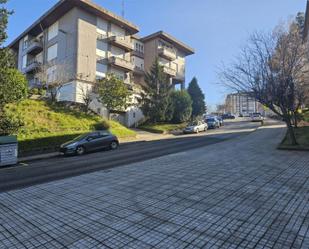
(171, 54)
(81, 42)
(242, 104)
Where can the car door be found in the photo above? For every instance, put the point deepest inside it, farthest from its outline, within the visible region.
(200, 126)
(105, 139)
(93, 141)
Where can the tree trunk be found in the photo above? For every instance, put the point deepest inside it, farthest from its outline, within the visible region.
(291, 132)
(295, 120)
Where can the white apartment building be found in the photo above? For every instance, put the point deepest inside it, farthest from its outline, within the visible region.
(242, 104)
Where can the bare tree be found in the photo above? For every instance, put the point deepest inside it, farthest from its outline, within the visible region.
(53, 77)
(87, 95)
(274, 68)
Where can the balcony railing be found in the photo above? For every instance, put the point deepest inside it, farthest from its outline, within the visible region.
(167, 53)
(121, 42)
(138, 54)
(169, 71)
(121, 63)
(139, 70)
(34, 46)
(101, 36)
(31, 66)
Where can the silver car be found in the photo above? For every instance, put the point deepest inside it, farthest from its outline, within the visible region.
(196, 127)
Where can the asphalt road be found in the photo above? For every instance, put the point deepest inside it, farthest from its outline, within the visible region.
(24, 175)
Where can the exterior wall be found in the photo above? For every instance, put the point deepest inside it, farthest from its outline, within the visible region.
(242, 104)
(138, 62)
(66, 46)
(152, 52)
(68, 92)
(87, 44)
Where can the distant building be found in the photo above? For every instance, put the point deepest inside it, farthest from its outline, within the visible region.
(242, 104)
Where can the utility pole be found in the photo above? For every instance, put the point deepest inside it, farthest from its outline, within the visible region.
(122, 6)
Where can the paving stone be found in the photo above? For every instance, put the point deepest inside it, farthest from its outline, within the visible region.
(242, 193)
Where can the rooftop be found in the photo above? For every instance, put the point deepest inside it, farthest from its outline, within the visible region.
(62, 7)
(161, 34)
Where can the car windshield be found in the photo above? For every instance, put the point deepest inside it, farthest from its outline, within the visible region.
(194, 123)
(256, 114)
(210, 120)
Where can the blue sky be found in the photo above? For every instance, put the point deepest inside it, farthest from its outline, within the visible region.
(217, 29)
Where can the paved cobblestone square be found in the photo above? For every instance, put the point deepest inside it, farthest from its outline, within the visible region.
(241, 193)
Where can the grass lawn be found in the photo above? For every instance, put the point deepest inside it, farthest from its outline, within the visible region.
(46, 126)
(162, 128)
(302, 136)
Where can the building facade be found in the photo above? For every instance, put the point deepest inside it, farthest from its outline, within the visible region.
(81, 42)
(242, 104)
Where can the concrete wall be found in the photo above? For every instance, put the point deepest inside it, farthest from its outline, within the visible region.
(151, 52)
(87, 44)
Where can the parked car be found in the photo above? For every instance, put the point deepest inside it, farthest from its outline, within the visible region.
(257, 117)
(220, 119)
(228, 116)
(196, 127)
(212, 123)
(90, 142)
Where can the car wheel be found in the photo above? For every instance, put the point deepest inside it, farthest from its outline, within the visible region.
(205, 129)
(197, 131)
(114, 145)
(80, 150)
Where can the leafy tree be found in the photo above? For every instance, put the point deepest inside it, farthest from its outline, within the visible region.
(182, 106)
(113, 93)
(13, 87)
(155, 96)
(198, 99)
(9, 124)
(6, 56)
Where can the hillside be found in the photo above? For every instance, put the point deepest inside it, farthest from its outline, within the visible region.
(47, 126)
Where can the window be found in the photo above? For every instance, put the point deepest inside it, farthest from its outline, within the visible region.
(51, 74)
(102, 68)
(24, 62)
(52, 52)
(25, 42)
(53, 31)
(101, 45)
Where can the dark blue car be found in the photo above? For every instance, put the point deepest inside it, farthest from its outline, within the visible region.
(90, 142)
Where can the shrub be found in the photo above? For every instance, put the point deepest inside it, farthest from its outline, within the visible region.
(181, 105)
(103, 125)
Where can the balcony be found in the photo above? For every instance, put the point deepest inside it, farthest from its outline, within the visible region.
(121, 63)
(101, 37)
(169, 71)
(139, 70)
(34, 47)
(121, 42)
(138, 54)
(167, 53)
(32, 65)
